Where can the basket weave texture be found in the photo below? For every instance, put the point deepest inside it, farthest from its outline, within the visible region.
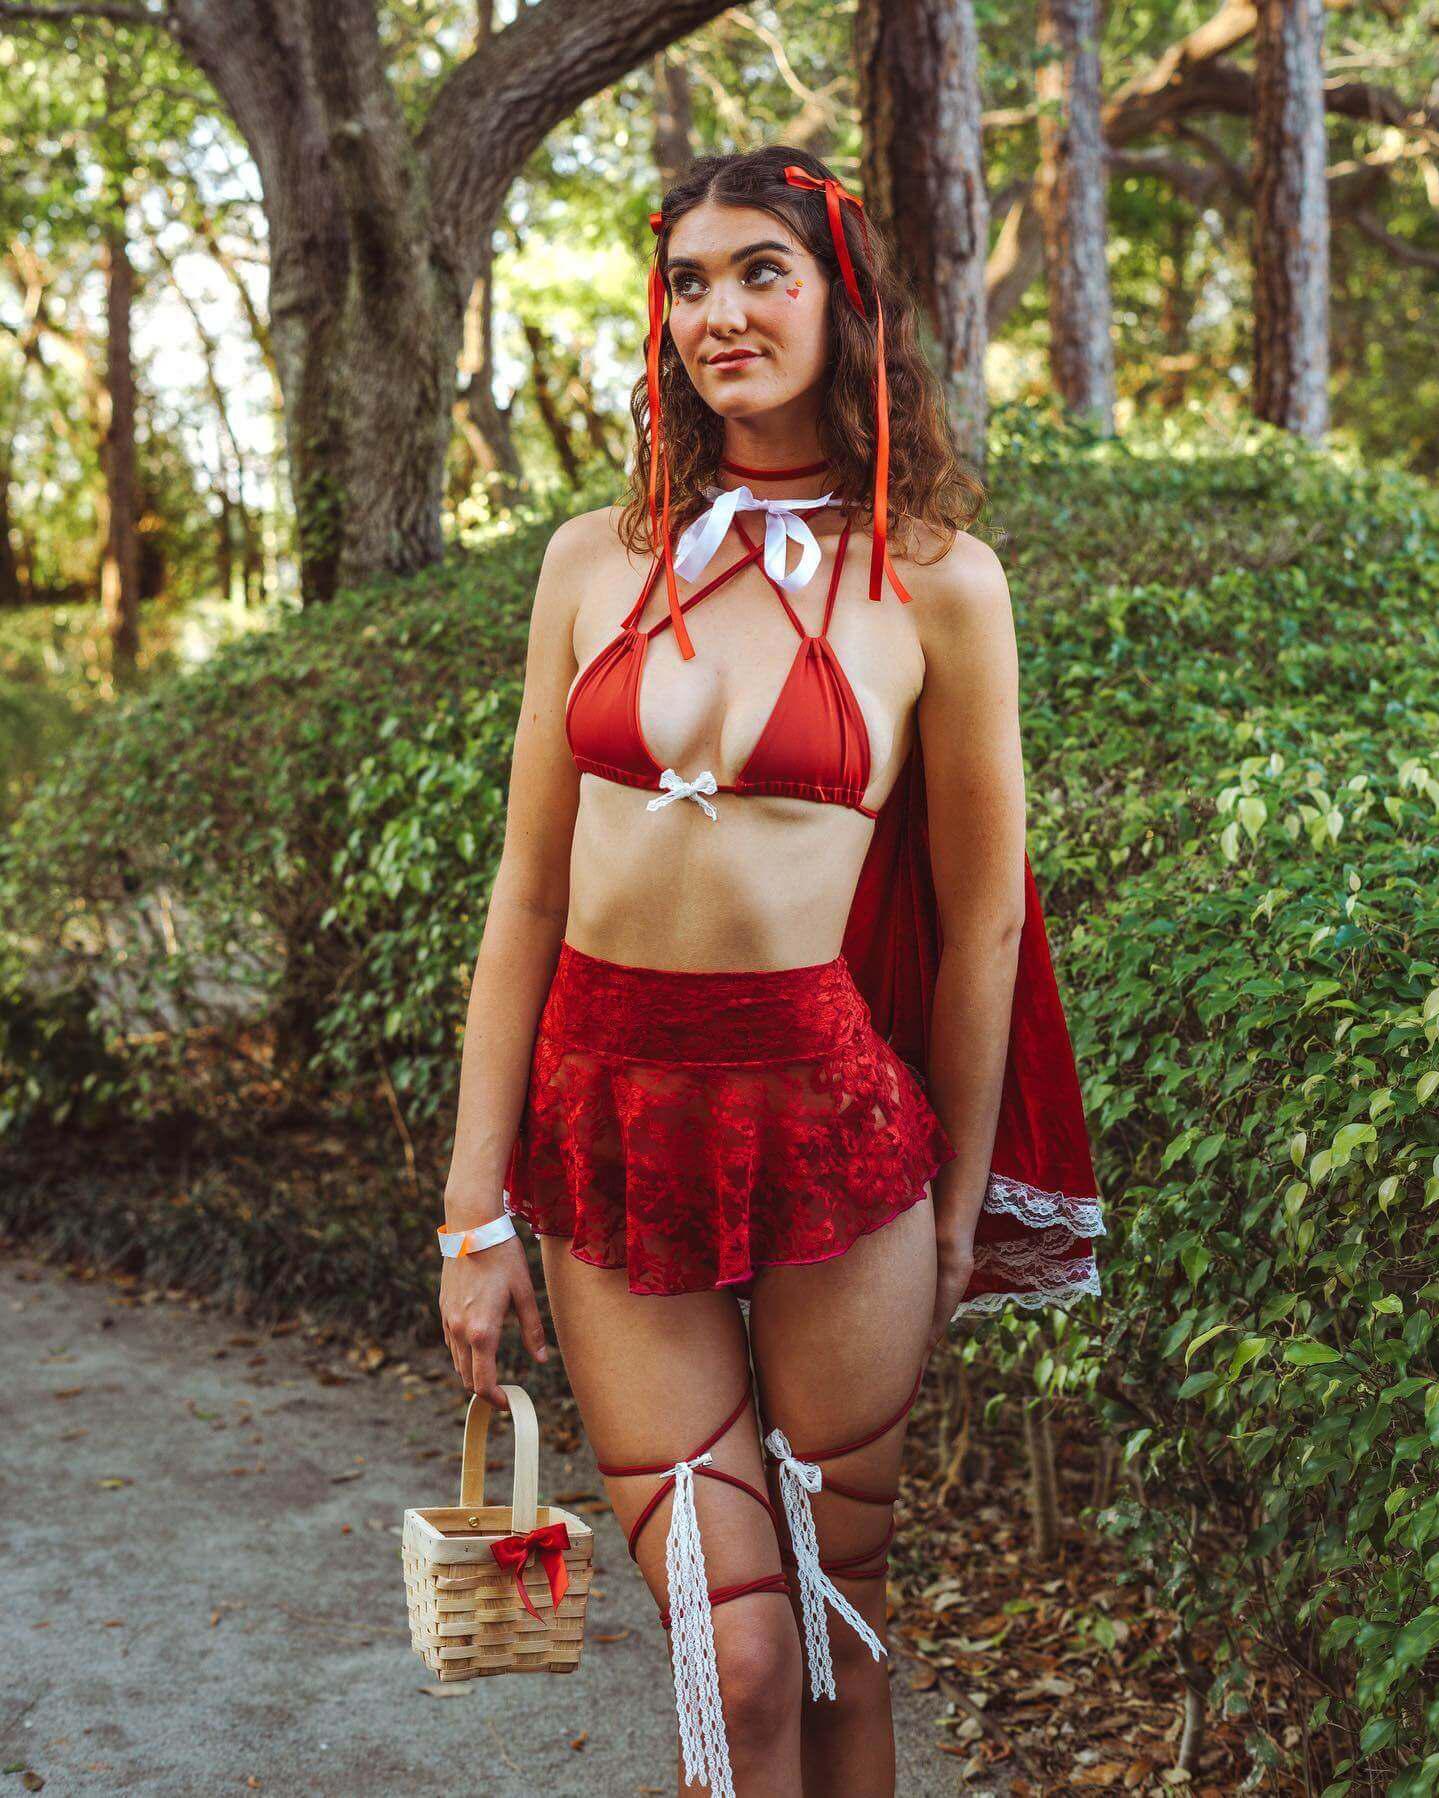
(467, 1619)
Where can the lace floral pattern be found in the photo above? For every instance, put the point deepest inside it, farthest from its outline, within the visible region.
(694, 1127)
(1032, 1248)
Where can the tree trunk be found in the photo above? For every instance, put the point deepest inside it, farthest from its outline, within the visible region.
(673, 120)
(555, 425)
(1072, 195)
(923, 175)
(120, 565)
(1192, 1740)
(1043, 1485)
(10, 592)
(1176, 311)
(486, 428)
(377, 235)
(225, 537)
(1291, 219)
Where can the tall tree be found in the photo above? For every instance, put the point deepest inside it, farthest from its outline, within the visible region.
(674, 118)
(120, 565)
(1291, 219)
(378, 232)
(923, 175)
(1072, 191)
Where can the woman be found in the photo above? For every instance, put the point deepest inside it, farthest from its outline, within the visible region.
(671, 1070)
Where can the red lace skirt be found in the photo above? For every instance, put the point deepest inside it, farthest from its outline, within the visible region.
(694, 1128)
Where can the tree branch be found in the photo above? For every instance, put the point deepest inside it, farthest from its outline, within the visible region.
(1399, 248)
(494, 110)
(116, 15)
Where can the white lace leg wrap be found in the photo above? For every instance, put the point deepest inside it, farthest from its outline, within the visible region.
(797, 1480)
(692, 1642)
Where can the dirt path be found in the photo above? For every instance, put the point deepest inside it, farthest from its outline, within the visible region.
(203, 1591)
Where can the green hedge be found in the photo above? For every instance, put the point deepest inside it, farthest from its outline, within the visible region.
(293, 843)
(1270, 1005)
(1237, 813)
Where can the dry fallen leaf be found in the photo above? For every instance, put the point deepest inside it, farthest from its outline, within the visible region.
(580, 1740)
(1103, 1773)
(453, 1688)
(616, 1636)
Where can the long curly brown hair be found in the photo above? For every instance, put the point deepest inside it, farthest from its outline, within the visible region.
(928, 482)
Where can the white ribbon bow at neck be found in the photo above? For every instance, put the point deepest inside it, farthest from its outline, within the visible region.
(677, 787)
(797, 1480)
(700, 540)
(692, 1643)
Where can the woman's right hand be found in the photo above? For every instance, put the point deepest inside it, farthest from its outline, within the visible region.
(476, 1293)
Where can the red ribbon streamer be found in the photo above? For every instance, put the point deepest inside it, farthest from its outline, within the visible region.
(546, 1545)
(879, 562)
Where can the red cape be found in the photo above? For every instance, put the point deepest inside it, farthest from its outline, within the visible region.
(1033, 1244)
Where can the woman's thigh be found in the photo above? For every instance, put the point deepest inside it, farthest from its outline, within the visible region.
(837, 1348)
(654, 1377)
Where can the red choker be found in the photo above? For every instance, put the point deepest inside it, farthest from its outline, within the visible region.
(775, 474)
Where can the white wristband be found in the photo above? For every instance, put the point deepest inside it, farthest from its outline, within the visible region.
(480, 1236)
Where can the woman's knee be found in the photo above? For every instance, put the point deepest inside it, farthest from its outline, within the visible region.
(858, 1672)
(761, 1669)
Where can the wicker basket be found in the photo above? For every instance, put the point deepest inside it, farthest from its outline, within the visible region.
(467, 1618)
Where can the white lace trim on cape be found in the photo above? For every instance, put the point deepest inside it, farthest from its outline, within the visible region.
(1035, 1265)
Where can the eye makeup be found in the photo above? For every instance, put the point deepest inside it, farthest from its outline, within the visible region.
(764, 262)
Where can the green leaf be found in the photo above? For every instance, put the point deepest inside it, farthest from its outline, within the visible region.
(1417, 1638)
(1249, 1349)
(1197, 1383)
(1377, 1734)
(1308, 1353)
(1205, 1336)
(1195, 1259)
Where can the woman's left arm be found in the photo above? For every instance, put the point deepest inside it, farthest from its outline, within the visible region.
(968, 720)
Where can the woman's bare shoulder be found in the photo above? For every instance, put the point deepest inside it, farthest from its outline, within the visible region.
(585, 537)
(959, 578)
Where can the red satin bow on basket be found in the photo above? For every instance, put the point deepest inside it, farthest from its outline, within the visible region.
(546, 1545)
(879, 561)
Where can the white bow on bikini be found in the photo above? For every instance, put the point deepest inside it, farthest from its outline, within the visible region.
(677, 787)
(700, 540)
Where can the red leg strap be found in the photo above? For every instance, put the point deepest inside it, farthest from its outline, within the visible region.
(704, 1447)
(827, 1454)
(714, 1473)
(849, 1566)
(767, 1582)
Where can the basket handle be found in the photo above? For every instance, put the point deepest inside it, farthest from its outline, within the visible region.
(524, 1494)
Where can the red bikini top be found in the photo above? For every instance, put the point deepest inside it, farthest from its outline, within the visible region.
(814, 744)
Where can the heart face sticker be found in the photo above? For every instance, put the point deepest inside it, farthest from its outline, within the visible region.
(793, 292)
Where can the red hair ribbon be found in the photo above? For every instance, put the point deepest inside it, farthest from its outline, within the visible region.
(547, 1545)
(879, 562)
(660, 526)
